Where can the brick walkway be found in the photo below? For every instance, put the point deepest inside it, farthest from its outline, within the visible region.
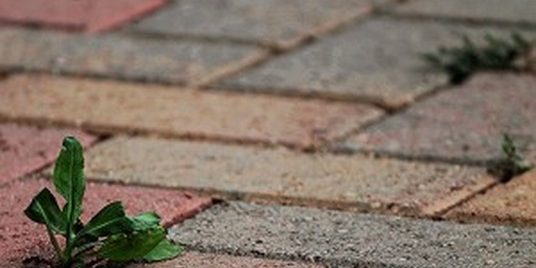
(273, 133)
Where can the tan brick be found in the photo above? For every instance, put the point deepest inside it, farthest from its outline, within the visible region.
(112, 106)
(349, 182)
(207, 260)
(513, 202)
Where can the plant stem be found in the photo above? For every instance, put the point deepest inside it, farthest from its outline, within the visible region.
(87, 247)
(55, 244)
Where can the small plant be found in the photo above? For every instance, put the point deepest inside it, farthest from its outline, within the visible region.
(497, 54)
(110, 235)
(512, 163)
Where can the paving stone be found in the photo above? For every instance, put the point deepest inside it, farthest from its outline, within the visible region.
(24, 149)
(23, 238)
(279, 23)
(462, 123)
(349, 182)
(206, 260)
(121, 56)
(512, 202)
(343, 239)
(91, 15)
(518, 11)
(379, 60)
(160, 110)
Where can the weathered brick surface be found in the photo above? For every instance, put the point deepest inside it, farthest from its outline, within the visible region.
(517, 11)
(162, 110)
(464, 122)
(513, 202)
(207, 260)
(20, 238)
(354, 182)
(121, 56)
(280, 23)
(354, 240)
(92, 15)
(24, 149)
(379, 60)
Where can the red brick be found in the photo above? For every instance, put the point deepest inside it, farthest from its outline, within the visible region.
(91, 15)
(26, 238)
(62, 13)
(24, 149)
(106, 14)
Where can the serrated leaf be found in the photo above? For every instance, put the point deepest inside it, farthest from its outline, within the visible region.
(165, 250)
(108, 221)
(44, 209)
(69, 178)
(129, 247)
(145, 221)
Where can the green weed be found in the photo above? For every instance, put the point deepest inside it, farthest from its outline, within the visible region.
(496, 54)
(512, 162)
(110, 235)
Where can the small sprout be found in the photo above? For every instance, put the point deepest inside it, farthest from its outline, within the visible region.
(512, 163)
(110, 235)
(496, 54)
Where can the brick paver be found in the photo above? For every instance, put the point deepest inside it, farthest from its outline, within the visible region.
(206, 260)
(278, 23)
(21, 238)
(24, 149)
(91, 15)
(516, 11)
(354, 240)
(378, 60)
(107, 15)
(170, 61)
(513, 202)
(463, 123)
(354, 182)
(162, 110)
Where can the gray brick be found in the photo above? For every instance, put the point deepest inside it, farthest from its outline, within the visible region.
(204, 260)
(280, 23)
(379, 60)
(354, 240)
(461, 123)
(351, 182)
(171, 61)
(516, 11)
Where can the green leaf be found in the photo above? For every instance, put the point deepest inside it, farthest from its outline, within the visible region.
(69, 178)
(145, 221)
(108, 221)
(129, 247)
(164, 251)
(44, 209)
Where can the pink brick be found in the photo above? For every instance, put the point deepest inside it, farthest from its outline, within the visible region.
(106, 14)
(91, 15)
(26, 239)
(61, 13)
(24, 149)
